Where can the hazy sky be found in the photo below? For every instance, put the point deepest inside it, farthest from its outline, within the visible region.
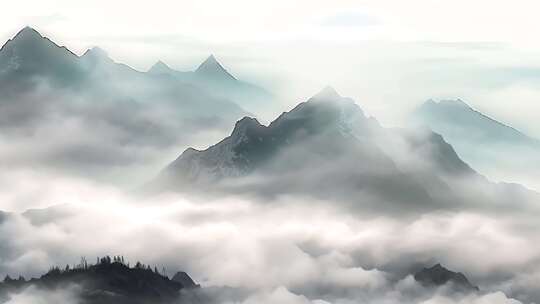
(389, 55)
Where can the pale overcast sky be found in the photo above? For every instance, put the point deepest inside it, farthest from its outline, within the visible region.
(389, 55)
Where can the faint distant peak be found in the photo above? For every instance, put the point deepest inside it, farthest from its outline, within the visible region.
(211, 61)
(96, 52)
(448, 102)
(327, 93)
(96, 55)
(160, 67)
(211, 67)
(455, 102)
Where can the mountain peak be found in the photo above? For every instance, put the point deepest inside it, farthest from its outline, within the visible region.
(160, 67)
(447, 103)
(438, 275)
(246, 123)
(28, 32)
(96, 52)
(327, 93)
(24, 36)
(213, 69)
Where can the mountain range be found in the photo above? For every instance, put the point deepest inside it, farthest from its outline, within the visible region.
(494, 148)
(116, 116)
(327, 148)
(29, 60)
(213, 77)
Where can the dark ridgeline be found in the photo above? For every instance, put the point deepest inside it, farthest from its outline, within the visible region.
(110, 280)
(438, 276)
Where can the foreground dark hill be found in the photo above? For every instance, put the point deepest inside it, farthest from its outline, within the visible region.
(326, 148)
(492, 147)
(108, 282)
(213, 77)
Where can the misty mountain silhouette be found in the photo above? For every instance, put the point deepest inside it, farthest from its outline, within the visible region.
(324, 147)
(43, 85)
(30, 59)
(211, 68)
(29, 55)
(439, 276)
(483, 141)
(328, 149)
(213, 77)
(445, 115)
(108, 281)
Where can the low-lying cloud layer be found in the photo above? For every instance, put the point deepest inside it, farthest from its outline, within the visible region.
(272, 253)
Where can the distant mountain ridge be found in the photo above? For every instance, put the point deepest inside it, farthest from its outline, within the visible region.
(493, 147)
(459, 114)
(44, 85)
(212, 76)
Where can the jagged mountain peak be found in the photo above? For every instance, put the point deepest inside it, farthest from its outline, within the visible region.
(246, 123)
(328, 105)
(438, 275)
(213, 69)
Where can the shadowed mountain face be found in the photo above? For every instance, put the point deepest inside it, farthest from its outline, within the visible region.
(439, 276)
(213, 77)
(106, 282)
(492, 147)
(327, 148)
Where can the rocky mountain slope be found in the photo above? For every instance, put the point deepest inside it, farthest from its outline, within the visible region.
(328, 149)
